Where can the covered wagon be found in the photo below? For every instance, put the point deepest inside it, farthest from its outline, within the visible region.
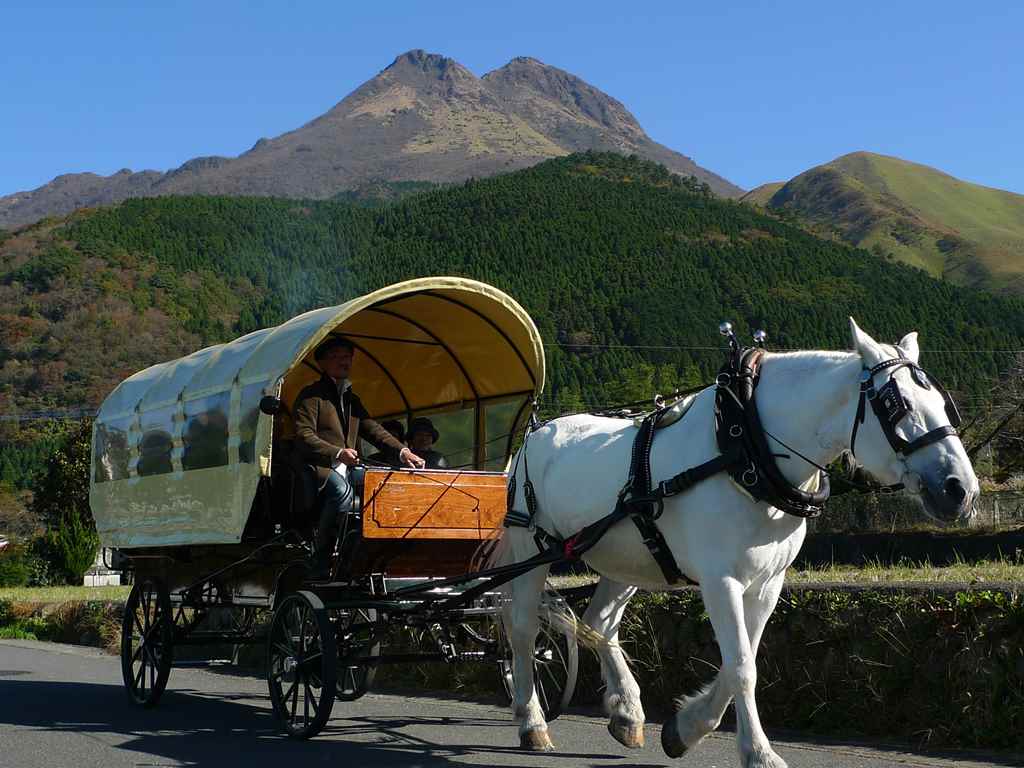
(198, 484)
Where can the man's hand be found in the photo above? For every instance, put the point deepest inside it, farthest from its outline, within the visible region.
(348, 456)
(410, 459)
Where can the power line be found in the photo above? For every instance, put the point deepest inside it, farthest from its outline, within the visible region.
(926, 351)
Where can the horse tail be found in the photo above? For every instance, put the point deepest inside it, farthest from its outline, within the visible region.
(560, 615)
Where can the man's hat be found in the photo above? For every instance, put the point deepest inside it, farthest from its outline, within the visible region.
(332, 343)
(423, 424)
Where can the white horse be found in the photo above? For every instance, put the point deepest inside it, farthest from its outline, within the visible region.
(736, 548)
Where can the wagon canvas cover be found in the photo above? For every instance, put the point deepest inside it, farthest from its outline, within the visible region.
(179, 448)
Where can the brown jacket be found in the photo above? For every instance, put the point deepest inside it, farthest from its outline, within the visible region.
(325, 423)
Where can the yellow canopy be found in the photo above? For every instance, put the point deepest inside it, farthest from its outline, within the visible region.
(178, 448)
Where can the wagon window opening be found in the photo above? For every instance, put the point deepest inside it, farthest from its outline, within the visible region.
(499, 421)
(157, 440)
(205, 437)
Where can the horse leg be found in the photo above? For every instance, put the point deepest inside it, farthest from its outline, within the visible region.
(522, 622)
(697, 716)
(622, 694)
(725, 605)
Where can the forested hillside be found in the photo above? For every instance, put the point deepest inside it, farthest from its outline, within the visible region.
(606, 253)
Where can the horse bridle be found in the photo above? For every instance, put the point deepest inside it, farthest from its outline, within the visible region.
(890, 406)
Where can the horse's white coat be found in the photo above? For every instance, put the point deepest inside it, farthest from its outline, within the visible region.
(738, 549)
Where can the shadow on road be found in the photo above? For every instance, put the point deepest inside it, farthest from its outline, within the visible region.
(195, 728)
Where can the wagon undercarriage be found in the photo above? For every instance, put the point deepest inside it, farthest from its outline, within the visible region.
(325, 640)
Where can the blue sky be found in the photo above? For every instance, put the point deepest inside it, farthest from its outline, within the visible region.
(753, 91)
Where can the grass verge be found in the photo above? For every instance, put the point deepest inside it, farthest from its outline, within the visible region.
(53, 595)
(91, 622)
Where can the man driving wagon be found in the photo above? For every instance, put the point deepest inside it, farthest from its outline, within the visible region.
(329, 420)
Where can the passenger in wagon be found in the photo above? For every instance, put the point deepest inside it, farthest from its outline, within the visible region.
(329, 420)
(422, 436)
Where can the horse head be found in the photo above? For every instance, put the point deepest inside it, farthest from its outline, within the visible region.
(908, 433)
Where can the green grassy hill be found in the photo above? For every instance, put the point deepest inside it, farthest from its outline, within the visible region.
(606, 252)
(967, 233)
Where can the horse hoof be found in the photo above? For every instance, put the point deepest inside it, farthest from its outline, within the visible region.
(670, 741)
(628, 734)
(536, 740)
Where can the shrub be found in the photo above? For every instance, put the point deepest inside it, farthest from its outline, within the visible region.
(75, 545)
(15, 567)
(44, 568)
(20, 621)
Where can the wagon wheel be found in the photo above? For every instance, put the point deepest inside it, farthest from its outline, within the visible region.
(301, 665)
(146, 641)
(357, 638)
(555, 662)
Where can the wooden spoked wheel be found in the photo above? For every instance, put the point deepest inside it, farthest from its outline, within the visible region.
(147, 631)
(357, 640)
(555, 662)
(301, 665)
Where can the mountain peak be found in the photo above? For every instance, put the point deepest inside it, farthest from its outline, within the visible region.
(524, 76)
(526, 61)
(425, 117)
(431, 64)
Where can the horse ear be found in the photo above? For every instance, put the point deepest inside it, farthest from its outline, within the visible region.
(868, 349)
(909, 346)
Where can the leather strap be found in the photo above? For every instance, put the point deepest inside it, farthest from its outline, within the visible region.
(740, 434)
(642, 507)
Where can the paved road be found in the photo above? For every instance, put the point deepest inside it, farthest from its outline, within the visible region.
(63, 707)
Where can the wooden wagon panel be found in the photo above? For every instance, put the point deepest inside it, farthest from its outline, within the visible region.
(433, 505)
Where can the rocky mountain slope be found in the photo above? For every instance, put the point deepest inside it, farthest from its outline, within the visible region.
(424, 118)
(964, 232)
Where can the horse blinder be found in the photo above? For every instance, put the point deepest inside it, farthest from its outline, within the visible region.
(890, 406)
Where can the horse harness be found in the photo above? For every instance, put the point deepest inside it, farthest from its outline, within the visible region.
(745, 455)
